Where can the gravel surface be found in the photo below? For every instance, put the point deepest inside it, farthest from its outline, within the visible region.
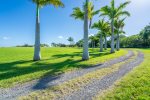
(96, 86)
(26, 88)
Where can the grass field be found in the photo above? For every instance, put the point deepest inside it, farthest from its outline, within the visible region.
(75, 84)
(16, 65)
(134, 86)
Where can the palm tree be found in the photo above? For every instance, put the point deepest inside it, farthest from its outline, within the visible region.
(102, 26)
(39, 4)
(71, 40)
(112, 13)
(86, 14)
(118, 24)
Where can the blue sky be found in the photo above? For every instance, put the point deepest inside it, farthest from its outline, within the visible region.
(17, 21)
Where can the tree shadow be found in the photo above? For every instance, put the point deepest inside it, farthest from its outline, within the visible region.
(55, 69)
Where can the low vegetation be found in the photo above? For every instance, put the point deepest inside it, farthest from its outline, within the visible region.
(17, 66)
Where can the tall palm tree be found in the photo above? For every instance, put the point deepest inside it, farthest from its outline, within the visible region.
(39, 4)
(86, 14)
(102, 26)
(112, 13)
(118, 24)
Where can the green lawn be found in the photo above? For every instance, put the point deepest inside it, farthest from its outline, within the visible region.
(16, 65)
(134, 86)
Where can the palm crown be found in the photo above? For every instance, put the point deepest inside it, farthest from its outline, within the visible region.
(56, 3)
(119, 24)
(115, 12)
(102, 25)
(79, 14)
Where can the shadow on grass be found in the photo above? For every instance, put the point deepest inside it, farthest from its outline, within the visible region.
(13, 69)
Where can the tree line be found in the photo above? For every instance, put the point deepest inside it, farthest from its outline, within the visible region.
(107, 28)
(140, 40)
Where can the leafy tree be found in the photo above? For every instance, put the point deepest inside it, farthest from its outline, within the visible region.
(39, 4)
(145, 34)
(112, 13)
(80, 43)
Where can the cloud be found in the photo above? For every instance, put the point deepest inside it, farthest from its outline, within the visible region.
(5, 38)
(60, 37)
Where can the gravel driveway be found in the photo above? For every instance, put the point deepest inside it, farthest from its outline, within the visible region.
(26, 88)
(96, 86)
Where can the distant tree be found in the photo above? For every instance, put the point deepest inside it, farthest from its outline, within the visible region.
(80, 43)
(145, 34)
(53, 44)
(71, 40)
(44, 45)
(25, 45)
(92, 39)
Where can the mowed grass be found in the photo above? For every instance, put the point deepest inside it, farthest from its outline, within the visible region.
(73, 85)
(16, 65)
(134, 86)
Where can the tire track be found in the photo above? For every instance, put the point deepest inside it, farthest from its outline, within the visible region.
(96, 86)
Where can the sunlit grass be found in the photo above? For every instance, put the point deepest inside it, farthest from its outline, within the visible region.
(134, 86)
(16, 65)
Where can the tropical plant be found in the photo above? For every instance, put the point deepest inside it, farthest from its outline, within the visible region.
(145, 34)
(39, 4)
(79, 13)
(112, 13)
(86, 14)
(71, 40)
(118, 24)
(103, 28)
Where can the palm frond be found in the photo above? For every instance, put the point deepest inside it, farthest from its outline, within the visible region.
(122, 13)
(123, 5)
(106, 11)
(56, 3)
(77, 13)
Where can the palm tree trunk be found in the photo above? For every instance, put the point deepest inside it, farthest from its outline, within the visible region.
(101, 43)
(85, 55)
(117, 43)
(37, 54)
(94, 44)
(112, 37)
(105, 43)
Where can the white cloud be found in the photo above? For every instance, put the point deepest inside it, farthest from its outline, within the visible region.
(60, 37)
(5, 38)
